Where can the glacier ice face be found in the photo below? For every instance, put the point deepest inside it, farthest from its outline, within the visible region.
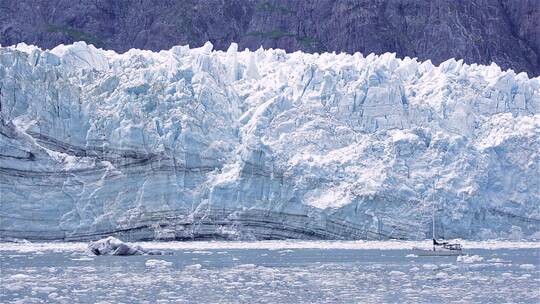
(194, 143)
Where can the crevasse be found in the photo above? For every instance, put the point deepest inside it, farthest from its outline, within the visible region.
(195, 143)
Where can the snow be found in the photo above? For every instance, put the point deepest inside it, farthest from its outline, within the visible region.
(186, 143)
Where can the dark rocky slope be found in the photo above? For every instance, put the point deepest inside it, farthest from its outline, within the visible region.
(479, 31)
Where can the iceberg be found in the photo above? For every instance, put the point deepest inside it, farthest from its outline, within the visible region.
(193, 143)
(114, 246)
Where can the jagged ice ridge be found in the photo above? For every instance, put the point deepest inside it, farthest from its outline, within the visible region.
(195, 143)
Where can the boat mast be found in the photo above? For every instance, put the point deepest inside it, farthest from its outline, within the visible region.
(433, 223)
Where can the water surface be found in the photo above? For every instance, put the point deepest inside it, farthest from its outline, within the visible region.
(270, 274)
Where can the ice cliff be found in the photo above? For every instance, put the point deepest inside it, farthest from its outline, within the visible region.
(196, 143)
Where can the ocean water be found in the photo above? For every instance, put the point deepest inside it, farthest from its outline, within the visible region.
(324, 272)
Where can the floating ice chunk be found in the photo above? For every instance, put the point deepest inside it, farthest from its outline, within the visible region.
(44, 289)
(396, 273)
(12, 287)
(498, 261)
(83, 259)
(469, 259)
(441, 275)
(158, 263)
(430, 266)
(448, 266)
(286, 251)
(411, 256)
(480, 266)
(18, 241)
(87, 269)
(527, 266)
(193, 267)
(20, 276)
(457, 276)
(202, 252)
(113, 246)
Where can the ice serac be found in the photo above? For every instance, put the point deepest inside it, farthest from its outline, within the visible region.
(195, 143)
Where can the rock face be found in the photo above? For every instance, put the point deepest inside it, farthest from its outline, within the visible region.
(506, 32)
(195, 143)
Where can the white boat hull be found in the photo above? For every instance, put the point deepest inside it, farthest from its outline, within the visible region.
(436, 252)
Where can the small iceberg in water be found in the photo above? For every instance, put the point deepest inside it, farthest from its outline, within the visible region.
(114, 246)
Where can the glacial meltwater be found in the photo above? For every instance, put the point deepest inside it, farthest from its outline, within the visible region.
(270, 272)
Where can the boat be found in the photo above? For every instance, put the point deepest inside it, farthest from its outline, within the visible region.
(438, 248)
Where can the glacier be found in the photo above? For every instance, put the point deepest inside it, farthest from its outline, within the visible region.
(193, 143)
